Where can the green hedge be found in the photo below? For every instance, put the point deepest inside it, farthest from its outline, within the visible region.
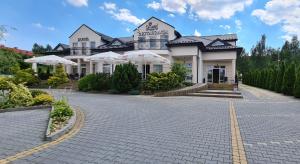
(162, 81)
(282, 79)
(95, 82)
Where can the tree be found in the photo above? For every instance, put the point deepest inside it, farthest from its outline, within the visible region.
(297, 84)
(59, 77)
(279, 78)
(48, 48)
(181, 71)
(125, 78)
(3, 31)
(288, 80)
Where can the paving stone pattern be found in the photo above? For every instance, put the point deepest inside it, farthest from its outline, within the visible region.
(270, 131)
(139, 129)
(21, 130)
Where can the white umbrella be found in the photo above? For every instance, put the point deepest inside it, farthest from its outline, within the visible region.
(107, 57)
(50, 60)
(144, 56)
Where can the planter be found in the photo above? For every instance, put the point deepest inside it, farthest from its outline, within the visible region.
(52, 136)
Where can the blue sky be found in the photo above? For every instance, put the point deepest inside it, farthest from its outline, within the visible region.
(53, 21)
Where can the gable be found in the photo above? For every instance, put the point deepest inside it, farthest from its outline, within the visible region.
(116, 43)
(218, 42)
(154, 28)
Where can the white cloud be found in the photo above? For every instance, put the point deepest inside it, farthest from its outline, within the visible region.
(204, 9)
(40, 26)
(197, 33)
(122, 14)
(128, 29)
(225, 27)
(171, 15)
(109, 6)
(154, 5)
(78, 3)
(238, 24)
(285, 13)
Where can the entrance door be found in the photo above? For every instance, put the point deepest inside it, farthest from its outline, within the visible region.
(216, 75)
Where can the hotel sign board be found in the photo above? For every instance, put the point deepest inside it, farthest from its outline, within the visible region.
(152, 29)
(83, 39)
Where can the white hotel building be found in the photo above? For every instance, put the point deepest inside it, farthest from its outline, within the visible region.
(210, 59)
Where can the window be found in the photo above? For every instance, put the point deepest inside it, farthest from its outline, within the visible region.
(163, 41)
(116, 43)
(218, 43)
(157, 68)
(75, 45)
(93, 44)
(83, 48)
(94, 68)
(153, 43)
(141, 42)
(106, 68)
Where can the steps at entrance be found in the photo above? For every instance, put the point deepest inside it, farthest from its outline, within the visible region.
(217, 93)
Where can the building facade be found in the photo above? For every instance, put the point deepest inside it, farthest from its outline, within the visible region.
(209, 59)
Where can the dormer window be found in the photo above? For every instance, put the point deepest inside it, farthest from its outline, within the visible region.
(116, 43)
(218, 43)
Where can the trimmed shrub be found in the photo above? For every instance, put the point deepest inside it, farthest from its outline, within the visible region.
(288, 80)
(297, 84)
(61, 110)
(26, 77)
(20, 96)
(95, 82)
(43, 99)
(125, 78)
(279, 78)
(36, 92)
(59, 77)
(181, 71)
(162, 81)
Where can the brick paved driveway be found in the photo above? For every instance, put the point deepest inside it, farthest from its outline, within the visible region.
(21, 130)
(139, 129)
(142, 129)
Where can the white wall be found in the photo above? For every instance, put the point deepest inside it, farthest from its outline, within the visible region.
(85, 32)
(184, 51)
(225, 55)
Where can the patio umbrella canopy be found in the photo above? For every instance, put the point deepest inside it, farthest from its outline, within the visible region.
(145, 56)
(107, 57)
(50, 60)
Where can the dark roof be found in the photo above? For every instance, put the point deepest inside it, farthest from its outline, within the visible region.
(206, 42)
(103, 36)
(64, 46)
(156, 19)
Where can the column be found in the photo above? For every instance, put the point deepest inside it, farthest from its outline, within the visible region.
(69, 69)
(79, 66)
(194, 69)
(91, 67)
(233, 70)
(99, 67)
(34, 68)
(200, 68)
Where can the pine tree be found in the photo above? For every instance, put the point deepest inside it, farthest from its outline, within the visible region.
(289, 80)
(297, 84)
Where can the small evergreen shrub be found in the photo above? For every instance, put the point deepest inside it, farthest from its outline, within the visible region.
(180, 70)
(20, 96)
(59, 77)
(43, 99)
(125, 78)
(26, 77)
(36, 92)
(162, 81)
(95, 82)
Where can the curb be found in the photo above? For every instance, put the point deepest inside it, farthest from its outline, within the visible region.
(62, 131)
(25, 108)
